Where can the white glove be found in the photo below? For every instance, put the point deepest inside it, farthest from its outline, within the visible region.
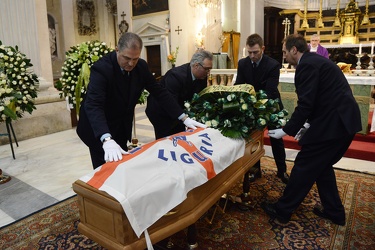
(190, 123)
(276, 133)
(302, 131)
(113, 151)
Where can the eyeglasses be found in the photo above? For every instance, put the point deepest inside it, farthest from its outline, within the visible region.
(205, 68)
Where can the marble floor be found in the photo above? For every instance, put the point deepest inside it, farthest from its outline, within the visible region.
(45, 168)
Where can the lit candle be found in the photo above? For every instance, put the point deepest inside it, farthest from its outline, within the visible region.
(244, 52)
(360, 49)
(372, 48)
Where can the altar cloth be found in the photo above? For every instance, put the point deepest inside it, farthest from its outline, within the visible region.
(156, 177)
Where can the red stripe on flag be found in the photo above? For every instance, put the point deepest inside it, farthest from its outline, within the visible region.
(207, 163)
(109, 167)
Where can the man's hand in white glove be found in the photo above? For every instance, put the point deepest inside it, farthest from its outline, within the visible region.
(302, 131)
(190, 123)
(113, 151)
(276, 133)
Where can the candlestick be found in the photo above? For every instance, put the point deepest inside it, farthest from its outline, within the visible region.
(244, 52)
(372, 48)
(358, 68)
(370, 69)
(360, 48)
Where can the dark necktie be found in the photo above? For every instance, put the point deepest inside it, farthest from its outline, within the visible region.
(254, 65)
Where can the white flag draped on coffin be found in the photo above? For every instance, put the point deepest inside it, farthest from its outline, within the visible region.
(156, 177)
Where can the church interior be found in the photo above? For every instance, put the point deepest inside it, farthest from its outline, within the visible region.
(41, 155)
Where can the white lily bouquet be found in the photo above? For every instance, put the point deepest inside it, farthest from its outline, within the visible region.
(236, 110)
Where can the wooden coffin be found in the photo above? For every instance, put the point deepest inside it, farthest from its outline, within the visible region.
(103, 220)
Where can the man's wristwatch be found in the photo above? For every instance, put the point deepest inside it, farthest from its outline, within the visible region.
(106, 139)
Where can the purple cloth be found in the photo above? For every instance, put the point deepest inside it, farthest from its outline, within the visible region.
(321, 51)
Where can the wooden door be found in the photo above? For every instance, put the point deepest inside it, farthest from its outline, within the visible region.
(153, 60)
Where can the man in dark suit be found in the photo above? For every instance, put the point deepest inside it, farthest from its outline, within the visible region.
(182, 82)
(263, 73)
(117, 81)
(326, 102)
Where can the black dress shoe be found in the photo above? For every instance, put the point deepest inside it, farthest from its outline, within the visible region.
(284, 177)
(320, 212)
(270, 209)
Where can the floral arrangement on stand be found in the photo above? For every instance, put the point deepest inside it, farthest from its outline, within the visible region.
(18, 84)
(75, 73)
(236, 111)
(172, 57)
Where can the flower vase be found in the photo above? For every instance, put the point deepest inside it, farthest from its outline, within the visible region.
(173, 65)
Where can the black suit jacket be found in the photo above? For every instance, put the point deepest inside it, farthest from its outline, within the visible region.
(265, 76)
(108, 106)
(325, 100)
(179, 82)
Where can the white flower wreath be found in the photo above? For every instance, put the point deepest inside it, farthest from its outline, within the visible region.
(76, 70)
(18, 84)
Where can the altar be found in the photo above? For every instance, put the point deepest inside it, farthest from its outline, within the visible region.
(360, 85)
(102, 217)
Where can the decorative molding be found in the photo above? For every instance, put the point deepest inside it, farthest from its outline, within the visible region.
(86, 17)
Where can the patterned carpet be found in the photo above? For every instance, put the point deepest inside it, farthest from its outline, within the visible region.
(56, 227)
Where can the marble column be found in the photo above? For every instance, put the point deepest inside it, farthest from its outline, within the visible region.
(24, 24)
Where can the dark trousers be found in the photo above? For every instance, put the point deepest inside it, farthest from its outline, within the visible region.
(97, 157)
(314, 163)
(278, 151)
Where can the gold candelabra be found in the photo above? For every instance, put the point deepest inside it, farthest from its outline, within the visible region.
(320, 20)
(366, 19)
(305, 24)
(337, 22)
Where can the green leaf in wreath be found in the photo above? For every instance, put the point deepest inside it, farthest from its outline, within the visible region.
(10, 113)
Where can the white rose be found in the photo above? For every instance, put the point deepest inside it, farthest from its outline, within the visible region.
(187, 105)
(214, 123)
